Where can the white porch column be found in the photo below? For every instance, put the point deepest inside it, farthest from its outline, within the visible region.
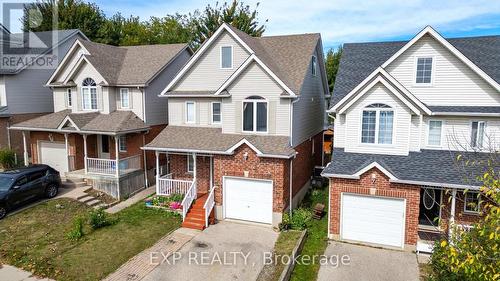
(25, 155)
(452, 211)
(194, 165)
(85, 153)
(168, 163)
(66, 143)
(117, 155)
(157, 154)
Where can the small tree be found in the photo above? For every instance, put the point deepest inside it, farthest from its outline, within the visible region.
(332, 62)
(7, 158)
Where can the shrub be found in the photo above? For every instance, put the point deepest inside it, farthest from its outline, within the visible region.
(98, 219)
(77, 231)
(285, 224)
(301, 218)
(7, 158)
(176, 197)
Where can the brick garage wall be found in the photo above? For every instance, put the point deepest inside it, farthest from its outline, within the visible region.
(461, 217)
(305, 161)
(16, 137)
(178, 167)
(258, 168)
(382, 187)
(4, 140)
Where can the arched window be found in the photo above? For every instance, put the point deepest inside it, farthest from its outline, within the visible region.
(89, 94)
(377, 124)
(255, 111)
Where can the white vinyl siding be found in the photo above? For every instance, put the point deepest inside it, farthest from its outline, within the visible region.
(206, 73)
(453, 82)
(177, 112)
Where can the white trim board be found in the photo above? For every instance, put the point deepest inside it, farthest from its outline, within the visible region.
(63, 62)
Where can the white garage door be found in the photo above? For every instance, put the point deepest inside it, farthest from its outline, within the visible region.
(54, 155)
(248, 199)
(373, 219)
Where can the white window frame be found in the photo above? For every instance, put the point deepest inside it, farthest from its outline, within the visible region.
(232, 56)
(89, 88)
(69, 98)
(314, 66)
(477, 136)
(122, 143)
(187, 113)
(429, 132)
(467, 203)
(212, 112)
(254, 101)
(122, 92)
(377, 124)
(433, 69)
(190, 158)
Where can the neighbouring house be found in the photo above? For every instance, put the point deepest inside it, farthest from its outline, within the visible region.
(22, 94)
(106, 108)
(404, 111)
(246, 116)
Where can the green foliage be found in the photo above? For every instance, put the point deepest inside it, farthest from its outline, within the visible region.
(332, 62)
(7, 158)
(99, 219)
(474, 255)
(177, 197)
(300, 219)
(77, 231)
(286, 222)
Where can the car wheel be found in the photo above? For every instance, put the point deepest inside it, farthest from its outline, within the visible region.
(3, 212)
(51, 191)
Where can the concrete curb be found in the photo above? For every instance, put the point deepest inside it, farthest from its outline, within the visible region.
(287, 271)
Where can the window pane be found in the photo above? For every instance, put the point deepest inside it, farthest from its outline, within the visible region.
(70, 102)
(424, 70)
(216, 112)
(472, 202)
(226, 60)
(124, 98)
(247, 116)
(480, 133)
(313, 64)
(86, 98)
(123, 143)
(385, 127)
(190, 163)
(261, 117)
(190, 115)
(93, 97)
(368, 127)
(435, 128)
(473, 137)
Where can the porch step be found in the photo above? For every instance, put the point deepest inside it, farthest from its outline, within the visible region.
(93, 202)
(195, 218)
(86, 199)
(193, 225)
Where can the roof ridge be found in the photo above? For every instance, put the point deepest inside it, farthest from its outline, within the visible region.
(288, 35)
(406, 41)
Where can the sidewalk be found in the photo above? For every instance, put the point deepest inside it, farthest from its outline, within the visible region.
(132, 200)
(11, 273)
(140, 265)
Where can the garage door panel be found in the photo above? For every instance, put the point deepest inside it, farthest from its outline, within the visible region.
(54, 155)
(248, 199)
(373, 219)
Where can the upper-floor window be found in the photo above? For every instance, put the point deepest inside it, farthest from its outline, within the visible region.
(255, 114)
(216, 113)
(69, 98)
(190, 112)
(477, 134)
(226, 57)
(124, 98)
(424, 71)
(314, 65)
(122, 143)
(377, 124)
(472, 202)
(89, 94)
(435, 132)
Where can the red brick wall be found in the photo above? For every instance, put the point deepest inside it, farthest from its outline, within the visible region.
(305, 161)
(150, 155)
(4, 140)
(461, 217)
(382, 187)
(178, 167)
(258, 167)
(16, 137)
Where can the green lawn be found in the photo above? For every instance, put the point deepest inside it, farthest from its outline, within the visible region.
(283, 246)
(316, 239)
(35, 239)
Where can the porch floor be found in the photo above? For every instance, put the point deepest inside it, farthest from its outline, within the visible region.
(80, 174)
(426, 240)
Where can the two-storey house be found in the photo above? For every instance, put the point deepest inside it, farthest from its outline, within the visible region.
(246, 117)
(106, 108)
(407, 117)
(22, 95)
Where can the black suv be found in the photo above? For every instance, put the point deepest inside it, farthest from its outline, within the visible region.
(22, 185)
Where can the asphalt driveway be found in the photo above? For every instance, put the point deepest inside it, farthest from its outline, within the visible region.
(225, 251)
(367, 263)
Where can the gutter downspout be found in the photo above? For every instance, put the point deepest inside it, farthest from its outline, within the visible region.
(143, 103)
(146, 182)
(291, 186)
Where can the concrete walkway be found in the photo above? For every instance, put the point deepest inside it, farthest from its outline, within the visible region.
(11, 273)
(132, 200)
(143, 263)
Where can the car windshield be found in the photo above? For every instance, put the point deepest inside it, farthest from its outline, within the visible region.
(5, 183)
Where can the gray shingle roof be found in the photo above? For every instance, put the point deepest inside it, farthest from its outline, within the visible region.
(115, 122)
(4, 111)
(465, 109)
(360, 59)
(431, 166)
(130, 65)
(213, 140)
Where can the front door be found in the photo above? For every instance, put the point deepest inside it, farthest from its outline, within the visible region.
(103, 146)
(430, 205)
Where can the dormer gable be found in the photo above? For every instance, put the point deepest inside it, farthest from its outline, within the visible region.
(71, 60)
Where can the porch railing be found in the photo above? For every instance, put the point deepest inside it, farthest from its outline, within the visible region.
(167, 185)
(129, 164)
(108, 166)
(188, 199)
(209, 205)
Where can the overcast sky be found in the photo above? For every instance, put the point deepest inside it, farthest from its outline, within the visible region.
(341, 21)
